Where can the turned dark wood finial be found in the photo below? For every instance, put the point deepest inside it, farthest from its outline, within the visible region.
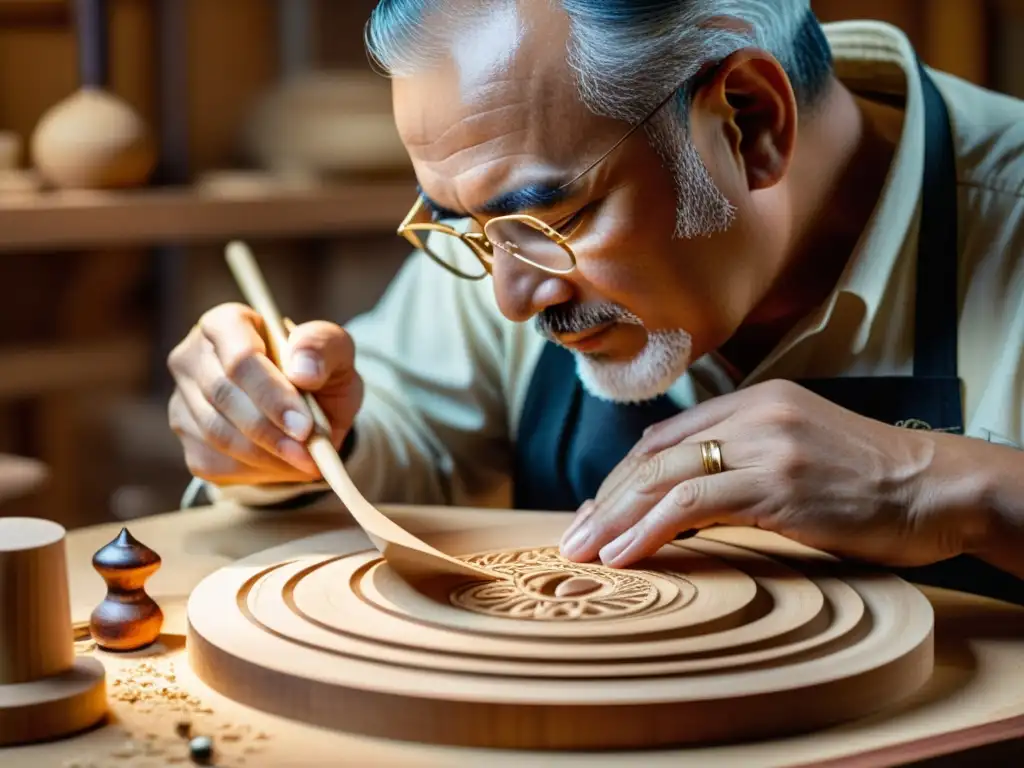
(128, 619)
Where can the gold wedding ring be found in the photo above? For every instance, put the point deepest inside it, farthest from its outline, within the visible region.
(711, 455)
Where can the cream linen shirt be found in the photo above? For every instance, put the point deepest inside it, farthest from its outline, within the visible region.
(446, 374)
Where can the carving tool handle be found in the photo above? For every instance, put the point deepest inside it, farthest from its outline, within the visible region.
(408, 555)
(250, 281)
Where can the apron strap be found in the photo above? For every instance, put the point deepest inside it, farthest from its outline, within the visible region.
(936, 311)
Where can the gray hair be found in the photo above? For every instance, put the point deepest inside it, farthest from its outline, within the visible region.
(629, 55)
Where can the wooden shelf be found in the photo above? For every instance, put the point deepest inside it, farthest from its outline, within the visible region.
(62, 367)
(216, 212)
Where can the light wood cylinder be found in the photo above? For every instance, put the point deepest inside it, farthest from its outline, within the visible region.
(36, 638)
(46, 691)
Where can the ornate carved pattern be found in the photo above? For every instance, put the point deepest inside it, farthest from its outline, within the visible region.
(536, 574)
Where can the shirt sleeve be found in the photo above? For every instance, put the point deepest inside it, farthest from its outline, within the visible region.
(433, 427)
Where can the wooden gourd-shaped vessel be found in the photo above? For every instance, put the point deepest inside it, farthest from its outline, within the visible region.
(93, 139)
(128, 619)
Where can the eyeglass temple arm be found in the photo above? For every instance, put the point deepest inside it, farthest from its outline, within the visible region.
(619, 143)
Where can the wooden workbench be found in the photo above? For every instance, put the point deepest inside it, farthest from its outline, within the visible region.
(976, 697)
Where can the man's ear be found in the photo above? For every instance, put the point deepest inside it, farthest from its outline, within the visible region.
(752, 102)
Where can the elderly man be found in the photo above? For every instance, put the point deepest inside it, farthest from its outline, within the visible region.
(774, 270)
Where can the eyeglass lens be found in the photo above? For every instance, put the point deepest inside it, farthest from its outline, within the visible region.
(519, 238)
(452, 253)
(528, 241)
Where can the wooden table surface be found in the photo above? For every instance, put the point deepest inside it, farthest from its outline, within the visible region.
(977, 689)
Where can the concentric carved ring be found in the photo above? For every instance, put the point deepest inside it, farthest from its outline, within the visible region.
(748, 636)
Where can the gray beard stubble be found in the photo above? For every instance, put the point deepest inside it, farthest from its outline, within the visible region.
(701, 211)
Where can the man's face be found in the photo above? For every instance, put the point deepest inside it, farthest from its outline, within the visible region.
(500, 119)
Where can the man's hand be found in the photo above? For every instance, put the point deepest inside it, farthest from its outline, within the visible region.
(794, 463)
(240, 419)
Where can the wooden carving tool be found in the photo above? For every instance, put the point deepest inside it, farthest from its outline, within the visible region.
(410, 557)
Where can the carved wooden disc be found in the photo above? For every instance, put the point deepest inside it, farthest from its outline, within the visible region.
(735, 634)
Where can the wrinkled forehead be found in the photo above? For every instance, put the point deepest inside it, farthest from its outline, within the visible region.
(498, 90)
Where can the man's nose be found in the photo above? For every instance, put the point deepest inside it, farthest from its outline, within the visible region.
(523, 290)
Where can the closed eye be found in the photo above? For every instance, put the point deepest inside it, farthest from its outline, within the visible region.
(568, 227)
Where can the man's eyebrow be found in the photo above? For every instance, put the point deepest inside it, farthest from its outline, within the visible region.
(531, 197)
(528, 198)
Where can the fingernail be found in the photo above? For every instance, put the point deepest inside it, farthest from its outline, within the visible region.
(610, 552)
(306, 364)
(576, 543)
(581, 517)
(297, 425)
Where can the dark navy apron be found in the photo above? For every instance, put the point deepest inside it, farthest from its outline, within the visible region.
(569, 441)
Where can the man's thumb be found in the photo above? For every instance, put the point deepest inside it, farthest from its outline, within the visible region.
(318, 353)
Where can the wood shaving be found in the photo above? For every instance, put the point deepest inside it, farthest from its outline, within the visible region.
(148, 687)
(150, 690)
(128, 749)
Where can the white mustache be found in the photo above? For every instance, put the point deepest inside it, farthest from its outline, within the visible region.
(580, 318)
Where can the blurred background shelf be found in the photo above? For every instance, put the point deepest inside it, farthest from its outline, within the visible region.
(121, 360)
(96, 286)
(203, 213)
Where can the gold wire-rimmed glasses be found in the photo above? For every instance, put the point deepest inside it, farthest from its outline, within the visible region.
(520, 235)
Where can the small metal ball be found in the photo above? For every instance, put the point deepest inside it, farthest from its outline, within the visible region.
(200, 750)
